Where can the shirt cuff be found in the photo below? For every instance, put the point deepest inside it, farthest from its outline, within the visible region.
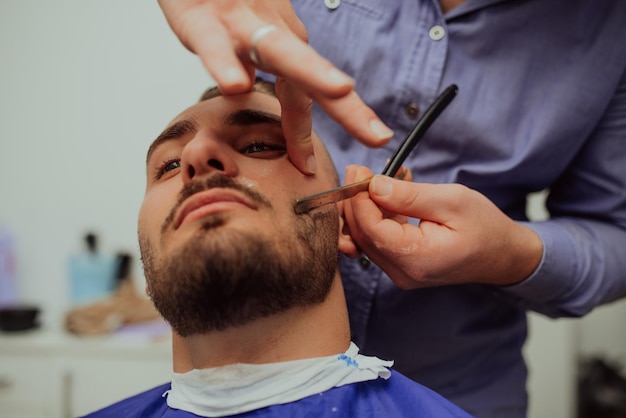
(556, 272)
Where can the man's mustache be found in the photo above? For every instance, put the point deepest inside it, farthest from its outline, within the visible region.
(210, 182)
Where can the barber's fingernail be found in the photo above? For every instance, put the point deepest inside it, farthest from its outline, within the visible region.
(382, 185)
(311, 164)
(337, 77)
(350, 173)
(232, 75)
(380, 129)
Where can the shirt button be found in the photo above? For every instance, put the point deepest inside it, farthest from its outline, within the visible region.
(412, 110)
(332, 4)
(365, 262)
(436, 32)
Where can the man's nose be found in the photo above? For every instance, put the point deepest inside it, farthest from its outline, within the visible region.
(204, 154)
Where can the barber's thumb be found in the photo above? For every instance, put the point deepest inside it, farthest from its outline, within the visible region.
(381, 186)
(393, 195)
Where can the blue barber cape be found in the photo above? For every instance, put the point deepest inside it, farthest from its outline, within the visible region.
(395, 397)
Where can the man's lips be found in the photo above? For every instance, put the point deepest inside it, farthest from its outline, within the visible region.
(210, 201)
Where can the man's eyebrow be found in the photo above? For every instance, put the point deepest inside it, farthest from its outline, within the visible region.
(176, 131)
(246, 117)
(243, 117)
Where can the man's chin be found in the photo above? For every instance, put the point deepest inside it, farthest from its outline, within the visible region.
(224, 271)
(213, 221)
(173, 240)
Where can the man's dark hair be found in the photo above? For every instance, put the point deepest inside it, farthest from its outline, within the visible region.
(260, 86)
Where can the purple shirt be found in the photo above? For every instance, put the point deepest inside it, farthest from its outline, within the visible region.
(541, 105)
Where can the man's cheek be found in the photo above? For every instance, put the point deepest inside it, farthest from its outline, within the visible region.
(153, 210)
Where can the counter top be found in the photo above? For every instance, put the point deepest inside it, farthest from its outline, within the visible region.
(128, 343)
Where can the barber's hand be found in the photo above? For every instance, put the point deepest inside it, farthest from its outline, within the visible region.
(221, 32)
(462, 237)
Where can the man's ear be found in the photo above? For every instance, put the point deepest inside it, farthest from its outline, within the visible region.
(346, 244)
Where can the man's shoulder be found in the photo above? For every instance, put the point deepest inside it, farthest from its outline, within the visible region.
(150, 403)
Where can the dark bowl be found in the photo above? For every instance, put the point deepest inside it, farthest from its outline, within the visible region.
(18, 318)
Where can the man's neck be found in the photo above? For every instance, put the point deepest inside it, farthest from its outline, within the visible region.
(447, 5)
(314, 331)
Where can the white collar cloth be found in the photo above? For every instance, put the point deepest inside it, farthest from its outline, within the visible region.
(238, 388)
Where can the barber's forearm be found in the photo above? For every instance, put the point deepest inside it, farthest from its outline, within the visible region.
(583, 261)
(520, 256)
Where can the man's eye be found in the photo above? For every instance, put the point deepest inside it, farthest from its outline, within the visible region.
(256, 147)
(166, 167)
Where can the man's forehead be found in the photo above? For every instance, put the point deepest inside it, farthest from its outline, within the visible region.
(219, 107)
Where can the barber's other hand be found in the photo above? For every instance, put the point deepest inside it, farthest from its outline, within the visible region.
(462, 237)
(221, 32)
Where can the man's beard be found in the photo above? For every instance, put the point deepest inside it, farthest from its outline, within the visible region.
(223, 277)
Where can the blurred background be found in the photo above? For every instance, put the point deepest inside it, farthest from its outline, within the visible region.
(84, 88)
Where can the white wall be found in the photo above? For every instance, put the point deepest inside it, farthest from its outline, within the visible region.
(84, 87)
